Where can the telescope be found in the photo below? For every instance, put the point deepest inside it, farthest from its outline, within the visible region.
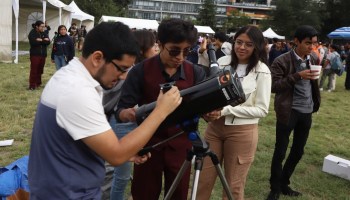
(222, 88)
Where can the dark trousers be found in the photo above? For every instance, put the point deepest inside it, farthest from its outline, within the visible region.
(37, 64)
(167, 160)
(347, 79)
(300, 123)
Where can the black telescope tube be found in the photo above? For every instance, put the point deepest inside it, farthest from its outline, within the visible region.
(213, 64)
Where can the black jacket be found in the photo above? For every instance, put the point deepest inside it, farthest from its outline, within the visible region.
(38, 48)
(63, 45)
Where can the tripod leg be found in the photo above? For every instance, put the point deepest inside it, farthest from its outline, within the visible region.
(223, 180)
(179, 176)
(195, 184)
(198, 167)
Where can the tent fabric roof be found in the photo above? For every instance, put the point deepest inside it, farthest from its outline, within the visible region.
(51, 3)
(340, 33)
(269, 33)
(79, 14)
(57, 3)
(204, 29)
(132, 22)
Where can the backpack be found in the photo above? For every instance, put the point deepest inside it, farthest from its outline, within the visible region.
(337, 65)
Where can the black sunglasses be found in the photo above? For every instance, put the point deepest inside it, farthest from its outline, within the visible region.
(121, 69)
(176, 52)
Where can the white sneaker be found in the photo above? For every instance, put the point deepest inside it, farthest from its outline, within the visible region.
(321, 89)
(329, 90)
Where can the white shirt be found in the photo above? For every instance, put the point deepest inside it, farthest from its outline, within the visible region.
(77, 98)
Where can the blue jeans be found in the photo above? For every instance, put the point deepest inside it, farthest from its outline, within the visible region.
(59, 62)
(122, 173)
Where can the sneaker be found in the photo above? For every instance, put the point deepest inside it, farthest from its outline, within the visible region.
(273, 195)
(289, 192)
(31, 88)
(329, 90)
(321, 89)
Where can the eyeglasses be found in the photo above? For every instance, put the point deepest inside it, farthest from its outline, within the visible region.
(121, 69)
(176, 52)
(248, 45)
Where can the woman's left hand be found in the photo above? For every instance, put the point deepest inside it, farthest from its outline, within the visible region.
(211, 116)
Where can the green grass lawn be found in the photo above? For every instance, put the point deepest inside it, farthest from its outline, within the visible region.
(330, 134)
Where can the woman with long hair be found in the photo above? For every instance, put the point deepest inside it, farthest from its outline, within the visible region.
(63, 48)
(232, 132)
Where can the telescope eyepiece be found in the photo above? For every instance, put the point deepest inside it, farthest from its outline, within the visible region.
(166, 86)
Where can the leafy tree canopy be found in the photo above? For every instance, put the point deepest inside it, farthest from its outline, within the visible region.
(206, 14)
(97, 8)
(235, 20)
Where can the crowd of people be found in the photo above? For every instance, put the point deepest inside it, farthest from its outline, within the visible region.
(86, 117)
(63, 48)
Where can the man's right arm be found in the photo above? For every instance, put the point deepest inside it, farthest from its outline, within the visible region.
(116, 151)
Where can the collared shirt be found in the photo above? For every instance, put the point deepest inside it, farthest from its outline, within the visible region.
(302, 97)
(61, 165)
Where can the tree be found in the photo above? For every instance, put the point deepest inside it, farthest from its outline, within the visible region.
(122, 3)
(334, 15)
(97, 8)
(235, 20)
(206, 14)
(290, 14)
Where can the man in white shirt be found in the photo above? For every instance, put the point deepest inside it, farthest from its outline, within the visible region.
(71, 136)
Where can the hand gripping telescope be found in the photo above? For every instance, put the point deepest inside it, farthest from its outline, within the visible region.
(220, 89)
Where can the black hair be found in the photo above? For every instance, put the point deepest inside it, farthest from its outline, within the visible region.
(259, 52)
(222, 37)
(305, 31)
(114, 39)
(274, 40)
(146, 40)
(177, 31)
(37, 23)
(59, 27)
(335, 47)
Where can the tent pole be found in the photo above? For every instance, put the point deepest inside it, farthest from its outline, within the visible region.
(44, 11)
(59, 19)
(16, 59)
(15, 5)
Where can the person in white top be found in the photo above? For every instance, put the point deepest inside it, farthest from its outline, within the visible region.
(71, 136)
(232, 132)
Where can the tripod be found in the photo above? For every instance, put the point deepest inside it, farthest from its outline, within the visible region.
(200, 149)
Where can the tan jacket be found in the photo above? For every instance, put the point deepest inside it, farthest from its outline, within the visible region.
(257, 88)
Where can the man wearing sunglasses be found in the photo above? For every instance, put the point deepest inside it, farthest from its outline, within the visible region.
(141, 87)
(71, 137)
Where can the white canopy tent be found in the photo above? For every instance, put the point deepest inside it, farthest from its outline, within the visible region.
(269, 33)
(80, 16)
(132, 22)
(5, 31)
(204, 29)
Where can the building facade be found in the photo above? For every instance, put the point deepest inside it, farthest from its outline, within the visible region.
(188, 9)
